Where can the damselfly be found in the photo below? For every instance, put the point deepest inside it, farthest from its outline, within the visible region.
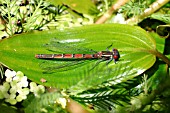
(105, 55)
(75, 58)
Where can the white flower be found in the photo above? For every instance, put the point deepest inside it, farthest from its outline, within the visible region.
(12, 95)
(62, 101)
(41, 88)
(24, 81)
(37, 90)
(9, 74)
(8, 79)
(6, 95)
(19, 85)
(4, 90)
(24, 91)
(13, 90)
(19, 98)
(11, 99)
(15, 87)
(13, 83)
(24, 97)
(119, 19)
(21, 79)
(33, 86)
(22, 94)
(18, 76)
(6, 86)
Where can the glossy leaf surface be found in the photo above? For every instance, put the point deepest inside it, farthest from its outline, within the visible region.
(133, 43)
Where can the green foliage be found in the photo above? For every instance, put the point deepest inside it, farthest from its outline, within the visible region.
(6, 109)
(18, 16)
(162, 17)
(135, 7)
(76, 5)
(106, 95)
(46, 103)
(101, 86)
(160, 42)
(138, 82)
(134, 59)
(19, 19)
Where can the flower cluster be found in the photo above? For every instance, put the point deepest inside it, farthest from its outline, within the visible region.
(36, 89)
(15, 89)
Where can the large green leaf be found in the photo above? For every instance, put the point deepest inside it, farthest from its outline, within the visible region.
(133, 43)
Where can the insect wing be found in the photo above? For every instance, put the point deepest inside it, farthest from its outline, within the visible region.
(68, 47)
(52, 66)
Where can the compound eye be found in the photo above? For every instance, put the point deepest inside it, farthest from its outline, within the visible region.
(115, 57)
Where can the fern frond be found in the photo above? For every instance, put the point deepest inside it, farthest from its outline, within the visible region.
(107, 88)
(104, 99)
(8, 11)
(135, 7)
(91, 79)
(104, 78)
(162, 17)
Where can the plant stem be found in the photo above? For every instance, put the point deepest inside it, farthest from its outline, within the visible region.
(153, 7)
(74, 107)
(108, 14)
(161, 56)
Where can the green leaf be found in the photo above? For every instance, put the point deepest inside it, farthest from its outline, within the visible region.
(158, 76)
(160, 42)
(133, 43)
(162, 17)
(77, 5)
(7, 109)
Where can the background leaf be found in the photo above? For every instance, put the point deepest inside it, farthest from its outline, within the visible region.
(6, 109)
(160, 42)
(132, 42)
(162, 17)
(76, 5)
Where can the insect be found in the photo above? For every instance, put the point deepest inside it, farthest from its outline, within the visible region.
(105, 55)
(72, 59)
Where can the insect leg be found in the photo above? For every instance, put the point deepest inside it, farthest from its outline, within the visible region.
(107, 49)
(97, 63)
(108, 61)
